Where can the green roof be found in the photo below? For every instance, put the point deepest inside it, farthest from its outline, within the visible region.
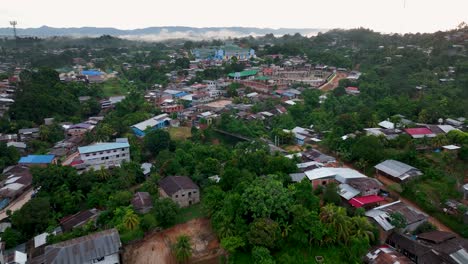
(243, 73)
(262, 78)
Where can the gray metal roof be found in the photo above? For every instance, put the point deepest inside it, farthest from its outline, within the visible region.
(84, 249)
(297, 177)
(398, 169)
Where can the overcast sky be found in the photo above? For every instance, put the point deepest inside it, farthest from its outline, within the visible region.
(380, 15)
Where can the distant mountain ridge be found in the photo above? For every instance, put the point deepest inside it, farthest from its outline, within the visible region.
(160, 32)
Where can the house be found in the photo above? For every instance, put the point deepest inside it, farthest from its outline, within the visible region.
(105, 154)
(365, 186)
(27, 134)
(397, 171)
(315, 155)
(386, 255)
(301, 135)
(142, 202)
(361, 192)
(101, 247)
(18, 179)
(324, 176)
(365, 201)
(431, 247)
(79, 219)
(352, 90)
(381, 215)
(153, 123)
(420, 132)
(38, 160)
(78, 130)
(180, 189)
(387, 124)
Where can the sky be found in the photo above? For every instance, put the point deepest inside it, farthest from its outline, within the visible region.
(388, 16)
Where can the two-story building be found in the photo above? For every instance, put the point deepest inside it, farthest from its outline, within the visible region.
(105, 154)
(180, 189)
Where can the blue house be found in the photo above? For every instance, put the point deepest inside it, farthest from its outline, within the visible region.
(37, 160)
(157, 122)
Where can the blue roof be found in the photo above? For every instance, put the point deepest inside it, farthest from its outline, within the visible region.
(37, 159)
(102, 147)
(91, 73)
(180, 94)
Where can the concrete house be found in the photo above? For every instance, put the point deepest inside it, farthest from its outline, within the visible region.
(180, 189)
(105, 154)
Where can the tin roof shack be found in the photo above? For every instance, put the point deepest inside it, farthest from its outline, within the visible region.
(180, 189)
(142, 202)
(397, 171)
(431, 247)
(79, 219)
(18, 180)
(382, 216)
(99, 247)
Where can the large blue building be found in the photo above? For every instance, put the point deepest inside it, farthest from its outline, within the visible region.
(224, 53)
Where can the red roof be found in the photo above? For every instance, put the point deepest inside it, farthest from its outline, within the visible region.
(364, 200)
(352, 88)
(419, 131)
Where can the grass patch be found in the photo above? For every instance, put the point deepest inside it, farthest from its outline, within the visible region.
(180, 133)
(189, 213)
(113, 87)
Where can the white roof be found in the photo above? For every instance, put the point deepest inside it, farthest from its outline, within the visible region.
(446, 128)
(187, 97)
(252, 94)
(265, 113)
(340, 174)
(451, 147)
(290, 102)
(12, 180)
(205, 114)
(40, 240)
(291, 156)
(152, 122)
(13, 186)
(168, 100)
(172, 92)
(308, 164)
(387, 124)
(347, 192)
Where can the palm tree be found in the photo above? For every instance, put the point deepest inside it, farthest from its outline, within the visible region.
(103, 173)
(131, 220)
(439, 141)
(182, 249)
(362, 229)
(336, 218)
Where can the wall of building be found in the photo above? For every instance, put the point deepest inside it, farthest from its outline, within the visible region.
(106, 158)
(184, 198)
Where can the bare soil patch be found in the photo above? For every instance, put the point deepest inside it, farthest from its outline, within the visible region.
(156, 247)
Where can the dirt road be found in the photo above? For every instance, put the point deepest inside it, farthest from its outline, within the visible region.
(156, 247)
(16, 204)
(334, 82)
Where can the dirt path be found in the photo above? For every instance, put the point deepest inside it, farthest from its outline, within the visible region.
(156, 247)
(16, 204)
(334, 82)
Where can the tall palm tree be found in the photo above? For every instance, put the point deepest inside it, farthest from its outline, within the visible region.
(337, 219)
(362, 228)
(182, 249)
(131, 220)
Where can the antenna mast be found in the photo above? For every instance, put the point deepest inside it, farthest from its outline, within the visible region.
(13, 24)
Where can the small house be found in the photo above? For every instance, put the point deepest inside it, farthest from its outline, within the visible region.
(397, 171)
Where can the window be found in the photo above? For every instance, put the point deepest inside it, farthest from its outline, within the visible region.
(115, 150)
(87, 155)
(123, 149)
(108, 151)
(107, 158)
(118, 156)
(94, 154)
(101, 153)
(102, 158)
(176, 196)
(194, 191)
(324, 182)
(189, 194)
(123, 155)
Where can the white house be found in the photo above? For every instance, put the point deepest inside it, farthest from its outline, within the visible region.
(105, 154)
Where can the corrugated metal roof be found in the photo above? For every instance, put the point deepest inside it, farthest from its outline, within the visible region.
(397, 169)
(297, 177)
(84, 249)
(38, 159)
(152, 122)
(346, 191)
(102, 147)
